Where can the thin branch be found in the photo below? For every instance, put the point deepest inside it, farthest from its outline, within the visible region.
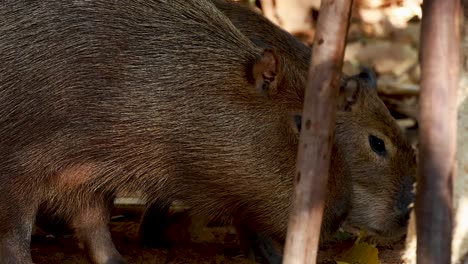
(317, 132)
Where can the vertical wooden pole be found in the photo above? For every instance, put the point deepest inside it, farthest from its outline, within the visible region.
(440, 40)
(318, 123)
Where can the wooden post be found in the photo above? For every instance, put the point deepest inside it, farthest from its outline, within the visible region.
(318, 123)
(440, 40)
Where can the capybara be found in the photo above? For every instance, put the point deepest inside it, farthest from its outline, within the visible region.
(169, 99)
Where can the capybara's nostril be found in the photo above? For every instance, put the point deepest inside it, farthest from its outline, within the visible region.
(405, 196)
(404, 218)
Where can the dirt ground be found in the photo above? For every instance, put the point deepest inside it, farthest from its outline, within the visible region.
(63, 248)
(213, 245)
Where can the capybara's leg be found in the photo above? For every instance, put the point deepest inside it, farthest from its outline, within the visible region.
(91, 225)
(17, 215)
(154, 224)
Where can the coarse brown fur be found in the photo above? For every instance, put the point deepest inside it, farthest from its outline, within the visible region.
(168, 99)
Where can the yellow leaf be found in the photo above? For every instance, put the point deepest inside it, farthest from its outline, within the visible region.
(361, 253)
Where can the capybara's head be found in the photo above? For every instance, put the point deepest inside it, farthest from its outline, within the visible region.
(379, 161)
(373, 166)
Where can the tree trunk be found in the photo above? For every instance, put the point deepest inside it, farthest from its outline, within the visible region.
(460, 194)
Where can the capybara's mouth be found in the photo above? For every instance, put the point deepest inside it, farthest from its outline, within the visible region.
(379, 236)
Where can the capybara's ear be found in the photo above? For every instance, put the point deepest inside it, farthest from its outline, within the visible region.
(368, 75)
(265, 72)
(348, 94)
(353, 88)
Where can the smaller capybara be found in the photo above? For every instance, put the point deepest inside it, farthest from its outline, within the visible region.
(169, 99)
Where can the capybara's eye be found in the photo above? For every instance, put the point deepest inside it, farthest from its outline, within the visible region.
(298, 122)
(377, 145)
